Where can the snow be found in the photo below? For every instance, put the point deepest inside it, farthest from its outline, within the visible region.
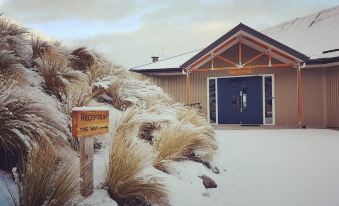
(278, 167)
(310, 35)
(102, 108)
(169, 62)
(257, 167)
(7, 186)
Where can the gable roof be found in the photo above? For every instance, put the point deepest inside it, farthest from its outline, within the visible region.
(247, 29)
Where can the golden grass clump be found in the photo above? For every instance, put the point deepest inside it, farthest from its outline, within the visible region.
(192, 115)
(177, 141)
(26, 119)
(59, 77)
(118, 101)
(14, 39)
(43, 180)
(126, 183)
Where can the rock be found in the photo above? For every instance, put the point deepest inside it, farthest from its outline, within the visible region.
(215, 169)
(208, 182)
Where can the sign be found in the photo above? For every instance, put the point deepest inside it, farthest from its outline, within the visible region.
(240, 71)
(88, 122)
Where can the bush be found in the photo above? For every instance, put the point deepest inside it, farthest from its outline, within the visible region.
(27, 117)
(45, 181)
(178, 141)
(125, 181)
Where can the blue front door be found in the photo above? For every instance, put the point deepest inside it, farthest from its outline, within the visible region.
(240, 100)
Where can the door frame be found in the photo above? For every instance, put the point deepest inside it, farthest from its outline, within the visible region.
(263, 96)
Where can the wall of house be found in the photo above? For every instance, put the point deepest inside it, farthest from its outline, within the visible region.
(320, 90)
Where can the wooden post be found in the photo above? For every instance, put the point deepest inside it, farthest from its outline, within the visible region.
(86, 166)
(299, 96)
(240, 52)
(188, 89)
(212, 60)
(86, 123)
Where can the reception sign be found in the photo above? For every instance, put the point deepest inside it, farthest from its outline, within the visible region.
(89, 121)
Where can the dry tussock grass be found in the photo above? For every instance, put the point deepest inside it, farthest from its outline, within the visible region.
(118, 101)
(44, 181)
(98, 71)
(58, 76)
(192, 115)
(14, 38)
(77, 97)
(26, 119)
(177, 141)
(127, 160)
(10, 66)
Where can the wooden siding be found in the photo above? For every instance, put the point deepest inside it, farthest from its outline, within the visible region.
(332, 76)
(172, 85)
(320, 90)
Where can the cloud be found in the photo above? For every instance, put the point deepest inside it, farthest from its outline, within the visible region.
(129, 32)
(54, 10)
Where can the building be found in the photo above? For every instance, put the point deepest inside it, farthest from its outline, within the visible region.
(286, 75)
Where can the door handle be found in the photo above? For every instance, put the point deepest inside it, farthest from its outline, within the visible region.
(239, 102)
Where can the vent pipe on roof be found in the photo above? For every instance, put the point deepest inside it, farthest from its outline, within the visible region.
(155, 58)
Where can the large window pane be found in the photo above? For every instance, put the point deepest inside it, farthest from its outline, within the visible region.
(268, 100)
(212, 100)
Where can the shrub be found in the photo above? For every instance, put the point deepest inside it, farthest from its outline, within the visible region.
(45, 181)
(14, 38)
(26, 118)
(191, 115)
(125, 181)
(177, 141)
(59, 77)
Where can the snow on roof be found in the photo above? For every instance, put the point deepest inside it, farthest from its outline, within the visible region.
(310, 34)
(168, 63)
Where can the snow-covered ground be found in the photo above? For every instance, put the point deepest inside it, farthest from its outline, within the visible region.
(277, 167)
(257, 167)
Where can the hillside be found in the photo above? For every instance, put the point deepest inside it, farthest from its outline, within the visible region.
(41, 81)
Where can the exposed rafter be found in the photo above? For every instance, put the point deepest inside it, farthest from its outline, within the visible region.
(240, 40)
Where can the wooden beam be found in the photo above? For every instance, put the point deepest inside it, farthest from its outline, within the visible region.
(226, 60)
(240, 52)
(214, 51)
(269, 58)
(262, 66)
(266, 47)
(212, 60)
(188, 89)
(299, 97)
(254, 58)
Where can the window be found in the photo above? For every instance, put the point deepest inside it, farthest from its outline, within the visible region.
(212, 100)
(268, 100)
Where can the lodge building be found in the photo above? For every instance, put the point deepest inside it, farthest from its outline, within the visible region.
(287, 75)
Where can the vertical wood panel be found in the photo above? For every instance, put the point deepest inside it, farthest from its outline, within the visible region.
(333, 96)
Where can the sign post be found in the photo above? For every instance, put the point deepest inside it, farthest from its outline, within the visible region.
(87, 122)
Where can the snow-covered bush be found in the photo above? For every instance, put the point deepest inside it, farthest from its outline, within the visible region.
(58, 76)
(28, 117)
(177, 142)
(128, 158)
(45, 181)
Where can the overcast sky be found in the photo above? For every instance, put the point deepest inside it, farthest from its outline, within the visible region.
(128, 32)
